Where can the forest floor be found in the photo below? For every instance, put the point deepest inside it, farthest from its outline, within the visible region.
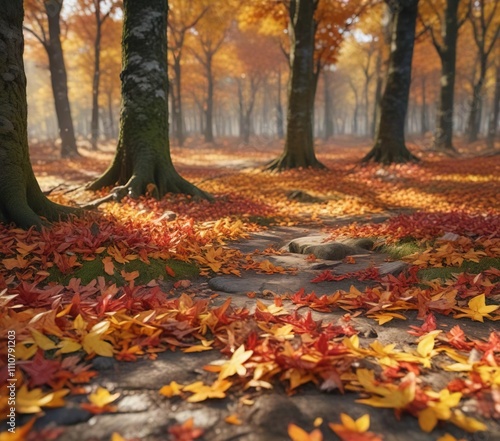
(357, 303)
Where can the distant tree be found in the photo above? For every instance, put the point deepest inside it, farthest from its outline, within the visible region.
(495, 113)
(44, 18)
(142, 164)
(183, 16)
(443, 17)
(299, 144)
(91, 17)
(21, 199)
(390, 138)
(485, 21)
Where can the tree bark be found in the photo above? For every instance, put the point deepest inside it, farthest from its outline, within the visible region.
(299, 144)
(493, 121)
(96, 77)
(328, 115)
(177, 98)
(142, 164)
(476, 103)
(443, 137)
(59, 80)
(390, 139)
(21, 200)
(423, 109)
(279, 111)
(209, 111)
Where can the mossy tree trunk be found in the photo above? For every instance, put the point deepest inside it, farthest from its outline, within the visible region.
(142, 164)
(390, 139)
(21, 200)
(299, 143)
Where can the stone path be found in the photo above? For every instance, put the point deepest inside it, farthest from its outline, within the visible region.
(145, 415)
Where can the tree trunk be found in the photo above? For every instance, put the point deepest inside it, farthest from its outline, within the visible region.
(493, 121)
(299, 144)
(328, 120)
(59, 81)
(21, 200)
(177, 98)
(423, 109)
(390, 140)
(96, 79)
(279, 111)
(142, 164)
(209, 111)
(443, 138)
(378, 94)
(111, 116)
(476, 102)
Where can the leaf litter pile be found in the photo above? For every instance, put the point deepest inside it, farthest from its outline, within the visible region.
(448, 211)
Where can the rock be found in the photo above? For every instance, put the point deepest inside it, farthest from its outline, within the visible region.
(363, 243)
(393, 268)
(325, 251)
(103, 363)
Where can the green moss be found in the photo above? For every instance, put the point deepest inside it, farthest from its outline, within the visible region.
(155, 270)
(401, 249)
(467, 266)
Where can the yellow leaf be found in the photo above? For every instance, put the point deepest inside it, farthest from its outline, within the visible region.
(20, 433)
(101, 397)
(92, 344)
(466, 423)
(67, 346)
(42, 341)
(117, 437)
(32, 401)
(233, 419)
(298, 434)
(477, 309)
(235, 364)
(202, 392)
(426, 346)
(80, 324)
(171, 390)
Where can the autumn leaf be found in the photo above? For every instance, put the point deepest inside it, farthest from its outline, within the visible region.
(233, 419)
(298, 434)
(32, 401)
(235, 364)
(20, 433)
(102, 397)
(171, 390)
(185, 431)
(202, 392)
(354, 430)
(477, 309)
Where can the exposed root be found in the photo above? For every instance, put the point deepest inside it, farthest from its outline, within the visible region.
(287, 162)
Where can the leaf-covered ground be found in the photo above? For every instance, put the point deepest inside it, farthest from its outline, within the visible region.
(126, 282)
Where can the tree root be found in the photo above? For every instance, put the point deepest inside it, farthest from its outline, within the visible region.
(286, 162)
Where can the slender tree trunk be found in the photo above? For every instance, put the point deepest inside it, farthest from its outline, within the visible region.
(279, 111)
(390, 140)
(378, 94)
(495, 113)
(209, 112)
(96, 78)
(328, 120)
(59, 81)
(443, 137)
(21, 200)
(142, 164)
(476, 102)
(177, 97)
(423, 109)
(299, 144)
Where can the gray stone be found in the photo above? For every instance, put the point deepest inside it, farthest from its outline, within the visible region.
(393, 268)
